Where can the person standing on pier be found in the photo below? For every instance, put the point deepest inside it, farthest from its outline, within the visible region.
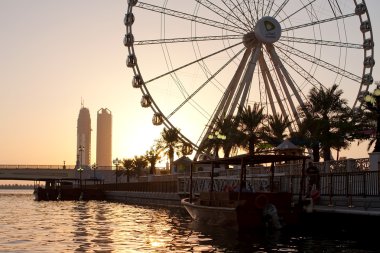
(312, 173)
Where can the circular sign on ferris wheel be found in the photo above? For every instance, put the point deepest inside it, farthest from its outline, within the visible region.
(268, 30)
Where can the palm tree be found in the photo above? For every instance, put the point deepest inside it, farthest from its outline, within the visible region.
(308, 134)
(169, 143)
(365, 127)
(250, 124)
(128, 167)
(328, 110)
(229, 127)
(152, 157)
(139, 164)
(232, 137)
(275, 131)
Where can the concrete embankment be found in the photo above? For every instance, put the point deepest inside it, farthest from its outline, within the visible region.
(171, 199)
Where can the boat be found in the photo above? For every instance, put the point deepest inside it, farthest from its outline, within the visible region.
(68, 189)
(244, 209)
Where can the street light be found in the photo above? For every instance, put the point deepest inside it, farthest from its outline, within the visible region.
(373, 104)
(80, 169)
(94, 166)
(116, 162)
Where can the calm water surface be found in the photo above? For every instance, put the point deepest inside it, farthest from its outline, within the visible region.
(78, 226)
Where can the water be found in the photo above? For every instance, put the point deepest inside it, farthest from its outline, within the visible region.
(78, 226)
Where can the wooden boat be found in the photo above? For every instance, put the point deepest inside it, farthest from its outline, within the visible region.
(246, 210)
(68, 189)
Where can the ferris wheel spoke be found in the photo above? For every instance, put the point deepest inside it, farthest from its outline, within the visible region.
(251, 11)
(282, 6)
(193, 62)
(297, 11)
(188, 39)
(300, 70)
(235, 9)
(219, 11)
(248, 25)
(322, 42)
(324, 64)
(318, 22)
(269, 7)
(333, 6)
(190, 17)
(211, 78)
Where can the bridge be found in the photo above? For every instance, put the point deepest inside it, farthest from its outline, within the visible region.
(43, 172)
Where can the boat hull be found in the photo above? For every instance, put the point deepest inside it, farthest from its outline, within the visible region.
(220, 216)
(247, 211)
(42, 194)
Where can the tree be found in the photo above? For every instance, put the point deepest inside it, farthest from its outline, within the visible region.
(308, 134)
(128, 167)
(152, 157)
(229, 127)
(275, 131)
(169, 143)
(229, 137)
(365, 126)
(250, 124)
(139, 165)
(331, 118)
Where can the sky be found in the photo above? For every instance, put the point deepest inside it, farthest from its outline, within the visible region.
(56, 54)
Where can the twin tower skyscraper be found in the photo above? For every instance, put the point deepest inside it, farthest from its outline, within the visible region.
(103, 138)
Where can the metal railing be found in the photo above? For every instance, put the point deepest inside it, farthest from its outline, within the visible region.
(54, 167)
(333, 184)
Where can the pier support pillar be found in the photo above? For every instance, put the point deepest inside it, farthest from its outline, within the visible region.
(374, 159)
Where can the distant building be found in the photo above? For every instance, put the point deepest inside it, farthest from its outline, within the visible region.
(104, 138)
(84, 137)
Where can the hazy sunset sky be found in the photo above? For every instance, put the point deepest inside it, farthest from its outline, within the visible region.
(55, 54)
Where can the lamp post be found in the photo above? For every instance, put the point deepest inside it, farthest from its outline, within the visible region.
(373, 104)
(80, 169)
(116, 162)
(94, 166)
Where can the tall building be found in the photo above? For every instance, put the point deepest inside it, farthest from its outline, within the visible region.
(84, 137)
(104, 138)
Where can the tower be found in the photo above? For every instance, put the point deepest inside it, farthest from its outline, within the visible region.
(84, 137)
(104, 138)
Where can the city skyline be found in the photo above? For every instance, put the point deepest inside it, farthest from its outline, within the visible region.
(54, 54)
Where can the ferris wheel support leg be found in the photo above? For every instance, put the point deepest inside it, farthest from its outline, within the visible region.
(265, 70)
(283, 74)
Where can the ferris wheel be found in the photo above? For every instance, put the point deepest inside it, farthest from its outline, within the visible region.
(197, 61)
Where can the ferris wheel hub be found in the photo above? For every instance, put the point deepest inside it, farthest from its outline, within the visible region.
(267, 30)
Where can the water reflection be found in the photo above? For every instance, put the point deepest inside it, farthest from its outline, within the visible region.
(91, 228)
(95, 226)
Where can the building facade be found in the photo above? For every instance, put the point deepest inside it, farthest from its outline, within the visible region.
(104, 138)
(84, 137)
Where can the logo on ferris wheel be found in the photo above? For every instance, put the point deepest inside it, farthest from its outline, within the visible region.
(269, 25)
(268, 30)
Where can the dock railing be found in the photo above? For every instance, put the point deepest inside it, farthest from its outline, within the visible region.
(344, 178)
